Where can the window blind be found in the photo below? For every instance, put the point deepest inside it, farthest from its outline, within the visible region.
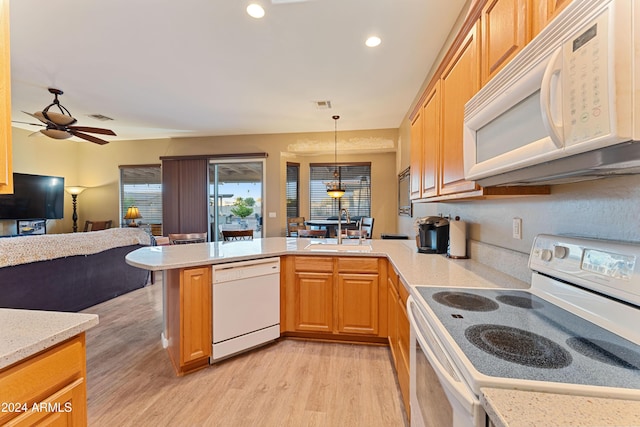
(293, 190)
(142, 186)
(356, 179)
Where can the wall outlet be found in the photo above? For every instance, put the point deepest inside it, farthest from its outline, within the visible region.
(272, 214)
(517, 228)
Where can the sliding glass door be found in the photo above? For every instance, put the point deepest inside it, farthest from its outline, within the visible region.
(236, 196)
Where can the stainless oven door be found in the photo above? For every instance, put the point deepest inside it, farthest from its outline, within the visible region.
(439, 395)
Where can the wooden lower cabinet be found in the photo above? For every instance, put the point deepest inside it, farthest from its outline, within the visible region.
(339, 297)
(314, 301)
(189, 327)
(403, 352)
(50, 387)
(399, 333)
(358, 303)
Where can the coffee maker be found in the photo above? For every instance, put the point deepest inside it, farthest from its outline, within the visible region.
(433, 235)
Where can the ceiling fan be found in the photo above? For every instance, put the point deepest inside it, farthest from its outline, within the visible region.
(60, 125)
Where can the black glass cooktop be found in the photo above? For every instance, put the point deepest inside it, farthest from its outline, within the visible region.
(515, 334)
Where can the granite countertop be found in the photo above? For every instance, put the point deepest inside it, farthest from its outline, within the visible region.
(415, 269)
(24, 333)
(516, 408)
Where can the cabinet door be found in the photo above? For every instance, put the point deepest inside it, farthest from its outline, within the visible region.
(404, 336)
(6, 172)
(195, 314)
(504, 34)
(66, 407)
(539, 16)
(460, 81)
(392, 319)
(358, 303)
(313, 293)
(431, 142)
(415, 162)
(554, 7)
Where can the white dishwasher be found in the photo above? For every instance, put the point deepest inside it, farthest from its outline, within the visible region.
(246, 306)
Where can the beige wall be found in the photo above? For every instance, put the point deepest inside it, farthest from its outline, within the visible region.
(96, 167)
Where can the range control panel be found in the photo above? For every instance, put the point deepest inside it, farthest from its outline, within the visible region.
(608, 267)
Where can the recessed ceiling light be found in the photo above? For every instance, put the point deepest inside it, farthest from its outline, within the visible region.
(255, 11)
(373, 41)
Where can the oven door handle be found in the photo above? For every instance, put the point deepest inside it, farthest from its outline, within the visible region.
(450, 379)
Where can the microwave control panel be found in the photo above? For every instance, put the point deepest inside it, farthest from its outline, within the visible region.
(585, 82)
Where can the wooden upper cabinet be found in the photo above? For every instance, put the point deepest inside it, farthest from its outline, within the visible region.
(554, 7)
(6, 171)
(505, 31)
(415, 170)
(459, 82)
(431, 142)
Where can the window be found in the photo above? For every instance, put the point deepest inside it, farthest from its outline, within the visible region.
(293, 190)
(356, 178)
(142, 186)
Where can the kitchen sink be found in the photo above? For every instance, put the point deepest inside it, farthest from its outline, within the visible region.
(334, 247)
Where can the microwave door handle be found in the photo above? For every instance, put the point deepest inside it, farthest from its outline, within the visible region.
(551, 98)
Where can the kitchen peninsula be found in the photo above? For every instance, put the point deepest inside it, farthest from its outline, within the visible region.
(400, 258)
(187, 281)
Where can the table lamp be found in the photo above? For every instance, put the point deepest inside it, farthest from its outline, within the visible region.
(132, 214)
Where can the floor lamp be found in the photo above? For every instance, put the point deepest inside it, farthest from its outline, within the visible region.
(74, 191)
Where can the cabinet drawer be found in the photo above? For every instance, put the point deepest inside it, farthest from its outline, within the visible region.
(313, 263)
(37, 378)
(357, 265)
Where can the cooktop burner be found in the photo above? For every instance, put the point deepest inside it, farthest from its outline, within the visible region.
(519, 301)
(465, 301)
(506, 333)
(518, 346)
(606, 352)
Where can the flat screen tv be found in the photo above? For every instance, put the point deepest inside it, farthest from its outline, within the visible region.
(34, 197)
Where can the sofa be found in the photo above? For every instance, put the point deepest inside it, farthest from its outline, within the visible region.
(69, 272)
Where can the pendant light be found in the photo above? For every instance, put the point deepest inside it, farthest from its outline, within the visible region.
(335, 189)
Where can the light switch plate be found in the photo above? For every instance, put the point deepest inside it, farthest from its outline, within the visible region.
(517, 228)
(272, 214)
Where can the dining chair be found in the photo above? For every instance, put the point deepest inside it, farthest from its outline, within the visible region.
(294, 224)
(185, 238)
(229, 235)
(317, 234)
(366, 224)
(97, 225)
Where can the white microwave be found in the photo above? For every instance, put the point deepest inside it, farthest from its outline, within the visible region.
(567, 107)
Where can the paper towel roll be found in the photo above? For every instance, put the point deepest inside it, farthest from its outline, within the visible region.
(458, 239)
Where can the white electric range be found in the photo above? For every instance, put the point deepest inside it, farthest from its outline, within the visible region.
(576, 331)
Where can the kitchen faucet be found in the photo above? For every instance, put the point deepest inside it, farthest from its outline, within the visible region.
(346, 211)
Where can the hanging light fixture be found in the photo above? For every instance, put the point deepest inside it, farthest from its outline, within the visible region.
(335, 189)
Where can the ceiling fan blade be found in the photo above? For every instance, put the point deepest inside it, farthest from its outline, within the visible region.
(92, 130)
(88, 137)
(41, 118)
(28, 123)
(36, 133)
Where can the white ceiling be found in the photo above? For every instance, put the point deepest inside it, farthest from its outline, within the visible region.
(164, 68)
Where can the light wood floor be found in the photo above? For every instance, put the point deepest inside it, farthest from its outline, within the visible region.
(288, 383)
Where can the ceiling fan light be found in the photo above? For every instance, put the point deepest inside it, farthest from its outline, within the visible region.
(57, 118)
(56, 134)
